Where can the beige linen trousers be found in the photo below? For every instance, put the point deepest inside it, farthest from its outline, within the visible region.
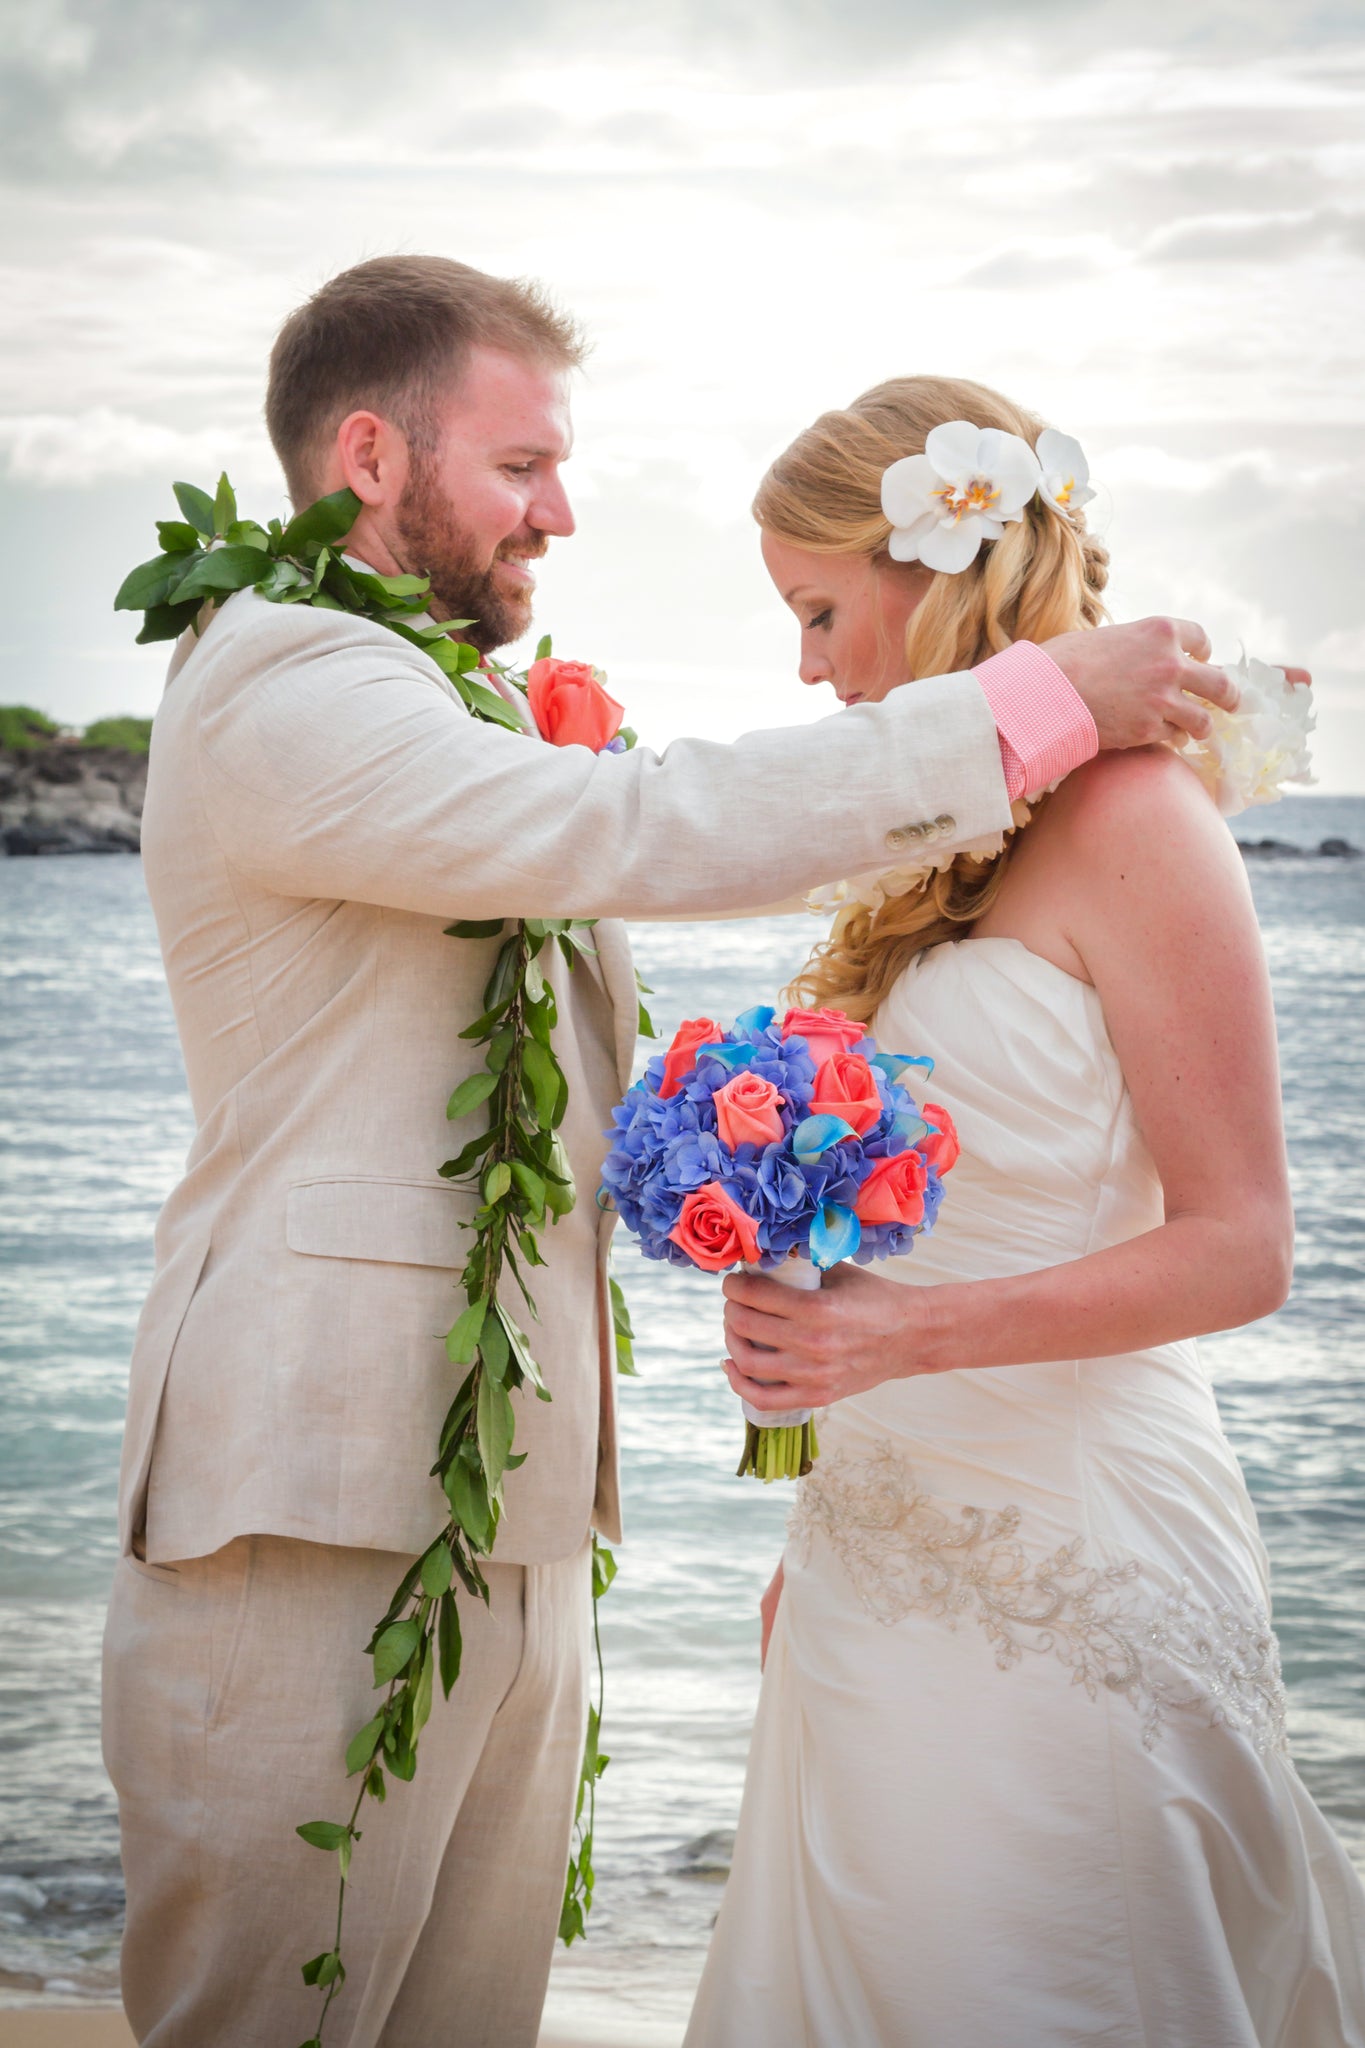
(320, 806)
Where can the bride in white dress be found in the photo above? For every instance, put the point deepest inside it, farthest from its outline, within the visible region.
(1019, 1776)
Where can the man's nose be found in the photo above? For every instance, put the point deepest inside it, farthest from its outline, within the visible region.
(550, 510)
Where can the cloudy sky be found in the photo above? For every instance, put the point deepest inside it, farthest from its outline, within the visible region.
(1143, 220)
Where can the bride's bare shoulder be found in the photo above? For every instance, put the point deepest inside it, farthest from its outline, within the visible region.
(1145, 801)
(1130, 848)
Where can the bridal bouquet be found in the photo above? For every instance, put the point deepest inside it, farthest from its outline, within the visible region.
(783, 1147)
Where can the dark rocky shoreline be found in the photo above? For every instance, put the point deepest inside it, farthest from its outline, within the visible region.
(65, 797)
(1285, 849)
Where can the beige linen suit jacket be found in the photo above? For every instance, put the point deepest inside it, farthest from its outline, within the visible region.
(319, 806)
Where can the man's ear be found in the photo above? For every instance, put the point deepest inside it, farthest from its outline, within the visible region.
(370, 457)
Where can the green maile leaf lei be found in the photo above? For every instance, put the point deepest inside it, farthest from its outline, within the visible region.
(516, 1168)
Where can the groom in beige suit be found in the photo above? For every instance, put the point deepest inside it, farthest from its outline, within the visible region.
(320, 806)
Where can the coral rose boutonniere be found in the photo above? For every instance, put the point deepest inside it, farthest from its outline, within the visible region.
(572, 708)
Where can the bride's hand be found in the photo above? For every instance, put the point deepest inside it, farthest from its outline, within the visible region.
(767, 1608)
(797, 1350)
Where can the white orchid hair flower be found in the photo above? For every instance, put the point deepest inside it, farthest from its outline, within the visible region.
(1066, 473)
(968, 486)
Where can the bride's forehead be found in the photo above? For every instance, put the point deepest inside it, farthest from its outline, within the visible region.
(802, 574)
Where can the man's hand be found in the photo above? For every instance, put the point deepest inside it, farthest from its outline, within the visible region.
(1134, 680)
(797, 1350)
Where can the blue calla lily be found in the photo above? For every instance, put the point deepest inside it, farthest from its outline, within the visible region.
(813, 1137)
(728, 1055)
(757, 1019)
(912, 1128)
(895, 1064)
(835, 1234)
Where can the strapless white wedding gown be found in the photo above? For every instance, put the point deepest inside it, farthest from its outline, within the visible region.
(1019, 1775)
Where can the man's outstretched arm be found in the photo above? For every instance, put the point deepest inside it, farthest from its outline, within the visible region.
(336, 764)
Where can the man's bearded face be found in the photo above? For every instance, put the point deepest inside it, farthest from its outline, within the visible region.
(464, 581)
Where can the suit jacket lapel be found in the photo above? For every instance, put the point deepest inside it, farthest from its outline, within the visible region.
(618, 976)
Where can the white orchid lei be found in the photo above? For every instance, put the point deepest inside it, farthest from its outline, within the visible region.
(1248, 758)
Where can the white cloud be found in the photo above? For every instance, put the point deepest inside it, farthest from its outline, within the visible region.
(61, 449)
(1142, 221)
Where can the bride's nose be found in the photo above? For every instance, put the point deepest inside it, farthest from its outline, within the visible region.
(815, 666)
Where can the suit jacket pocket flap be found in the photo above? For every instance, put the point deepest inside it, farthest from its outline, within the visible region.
(397, 1222)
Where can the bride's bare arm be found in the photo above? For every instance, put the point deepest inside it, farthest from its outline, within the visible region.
(1137, 886)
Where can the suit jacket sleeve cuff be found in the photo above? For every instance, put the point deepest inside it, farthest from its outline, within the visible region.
(1045, 729)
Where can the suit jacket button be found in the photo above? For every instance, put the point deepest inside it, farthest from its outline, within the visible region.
(903, 834)
(944, 825)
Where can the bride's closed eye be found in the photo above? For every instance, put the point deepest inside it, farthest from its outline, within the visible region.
(821, 619)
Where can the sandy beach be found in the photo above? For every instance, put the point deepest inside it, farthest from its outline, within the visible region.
(104, 2027)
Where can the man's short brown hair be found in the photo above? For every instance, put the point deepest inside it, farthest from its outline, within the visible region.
(394, 335)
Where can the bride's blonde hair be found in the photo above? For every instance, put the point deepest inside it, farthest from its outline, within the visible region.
(1044, 576)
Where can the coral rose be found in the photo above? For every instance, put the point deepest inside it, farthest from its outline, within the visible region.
(714, 1231)
(825, 1031)
(845, 1086)
(942, 1148)
(569, 705)
(681, 1056)
(894, 1191)
(748, 1112)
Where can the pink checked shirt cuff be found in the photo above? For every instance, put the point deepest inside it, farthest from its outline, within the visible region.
(1045, 729)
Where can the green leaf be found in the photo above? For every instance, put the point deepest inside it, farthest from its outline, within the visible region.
(543, 646)
(521, 1351)
(469, 1504)
(623, 1331)
(327, 519)
(603, 1569)
(503, 979)
(151, 582)
(197, 507)
(394, 1649)
(500, 1048)
(249, 534)
(437, 1570)
(496, 1423)
(344, 1858)
(167, 622)
(489, 705)
(177, 537)
(223, 570)
(473, 1090)
(421, 1699)
(332, 1970)
(475, 928)
(496, 1181)
(543, 1076)
(533, 981)
(224, 506)
(374, 1784)
(531, 1185)
(449, 1643)
(324, 1834)
(281, 578)
(463, 1340)
(361, 1748)
(468, 1154)
(493, 1348)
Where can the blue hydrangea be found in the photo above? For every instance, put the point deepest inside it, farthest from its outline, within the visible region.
(663, 1148)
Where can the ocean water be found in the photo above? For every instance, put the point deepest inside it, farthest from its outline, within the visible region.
(93, 1127)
